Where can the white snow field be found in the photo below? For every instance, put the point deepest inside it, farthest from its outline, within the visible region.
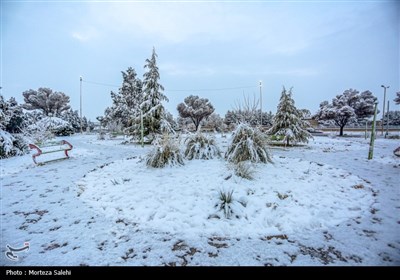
(320, 204)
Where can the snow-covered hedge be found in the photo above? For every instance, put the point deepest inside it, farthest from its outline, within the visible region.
(199, 146)
(57, 126)
(248, 144)
(11, 145)
(46, 128)
(165, 152)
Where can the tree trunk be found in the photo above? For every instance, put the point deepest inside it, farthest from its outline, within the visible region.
(287, 141)
(341, 130)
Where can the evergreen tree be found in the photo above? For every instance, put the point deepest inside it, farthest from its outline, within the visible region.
(196, 109)
(152, 107)
(288, 120)
(397, 99)
(73, 118)
(52, 103)
(351, 106)
(126, 103)
(16, 116)
(4, 117)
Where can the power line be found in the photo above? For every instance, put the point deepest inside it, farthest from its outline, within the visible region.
(100, 84)
(212, 89)
(178, 90)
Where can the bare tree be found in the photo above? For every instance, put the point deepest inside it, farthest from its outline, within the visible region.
(196, 109)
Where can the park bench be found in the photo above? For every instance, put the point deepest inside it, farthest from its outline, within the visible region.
(396, 152)
(60, 146)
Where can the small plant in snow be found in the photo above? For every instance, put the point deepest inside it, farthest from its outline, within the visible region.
(165, 152)
(225, 201)
(229, 206)
(114, 182)
(248, 144)
(244, 169)
(101, 135)
(199, 146)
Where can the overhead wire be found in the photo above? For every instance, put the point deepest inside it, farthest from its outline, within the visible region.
(178, 90)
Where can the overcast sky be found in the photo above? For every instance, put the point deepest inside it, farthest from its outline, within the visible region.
(318, 48)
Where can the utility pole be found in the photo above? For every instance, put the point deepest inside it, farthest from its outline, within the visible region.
(260, 103)
(371, 143)
(384, 101)
(387, 121)
(141, 128)
(80, 103)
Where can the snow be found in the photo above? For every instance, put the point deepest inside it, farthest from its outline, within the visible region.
(181, 200)
(320, 204)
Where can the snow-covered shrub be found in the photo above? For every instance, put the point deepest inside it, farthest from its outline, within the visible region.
(58, 126)
(165, 152)
(10, 145)
(199, 146)
(244, 169)
(46, 128)
(248, 144)
(225, 200)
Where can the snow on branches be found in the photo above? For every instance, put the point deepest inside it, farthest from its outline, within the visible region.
(288, 120)
(347, 107)
(196, 109)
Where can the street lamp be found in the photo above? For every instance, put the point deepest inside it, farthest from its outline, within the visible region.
(384, 101)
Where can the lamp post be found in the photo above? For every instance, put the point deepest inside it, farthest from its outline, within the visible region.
(384, 101)
(260, 104)
(80, 103)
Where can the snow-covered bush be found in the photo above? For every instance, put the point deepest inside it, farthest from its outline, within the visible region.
(248, 144)
(244, 169)
(225, 200)
(228, 205)
(58, 126)
(165, 152)
(11, 145)
(199, 146)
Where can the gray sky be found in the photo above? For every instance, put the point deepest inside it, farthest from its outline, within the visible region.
(319, 48)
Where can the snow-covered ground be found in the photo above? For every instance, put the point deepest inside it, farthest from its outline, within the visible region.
(321, 204)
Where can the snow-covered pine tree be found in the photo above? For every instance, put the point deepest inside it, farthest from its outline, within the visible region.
(73, 118)
(152, 107)
(288, 122)
(16, 115)
(126, 103)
